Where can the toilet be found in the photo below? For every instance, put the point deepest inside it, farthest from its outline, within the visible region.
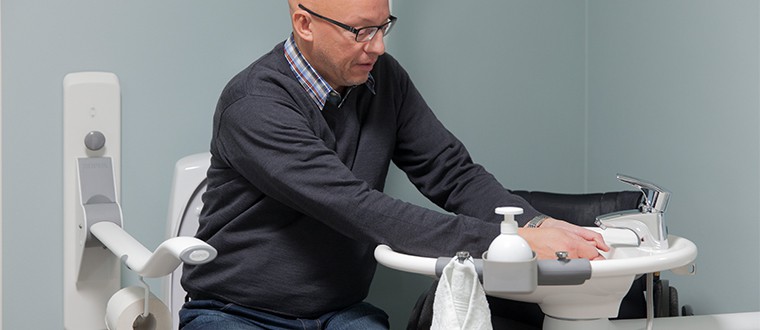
(188, 185)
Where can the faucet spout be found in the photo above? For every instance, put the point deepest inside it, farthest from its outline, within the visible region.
(647, 226)
(648, 220)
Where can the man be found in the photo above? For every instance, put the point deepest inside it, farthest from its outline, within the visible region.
(302, 141)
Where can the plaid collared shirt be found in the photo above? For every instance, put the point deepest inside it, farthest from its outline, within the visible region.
(312, 82)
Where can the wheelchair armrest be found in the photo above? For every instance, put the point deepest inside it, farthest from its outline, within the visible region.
(580, 209)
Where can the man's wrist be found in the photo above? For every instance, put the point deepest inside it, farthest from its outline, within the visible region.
(536, 221)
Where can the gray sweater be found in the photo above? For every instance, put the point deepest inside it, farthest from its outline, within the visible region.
(295, 206)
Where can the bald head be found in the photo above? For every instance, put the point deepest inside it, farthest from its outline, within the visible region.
(316, 5)
(339, 8)
(293, 4)
(322, 34)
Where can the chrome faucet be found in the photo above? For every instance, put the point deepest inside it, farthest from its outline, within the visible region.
(647, 222)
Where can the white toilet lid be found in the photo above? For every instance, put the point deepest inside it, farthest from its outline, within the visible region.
(188, 227)
(185, 205)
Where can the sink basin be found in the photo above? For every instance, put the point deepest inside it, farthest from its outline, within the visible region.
(599, 297)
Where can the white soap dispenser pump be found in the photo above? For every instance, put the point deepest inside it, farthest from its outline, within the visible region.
(509, 246)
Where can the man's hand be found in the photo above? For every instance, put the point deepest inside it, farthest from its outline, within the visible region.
(555, 235)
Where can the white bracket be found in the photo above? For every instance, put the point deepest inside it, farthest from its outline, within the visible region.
(94, 240)
(91, 102)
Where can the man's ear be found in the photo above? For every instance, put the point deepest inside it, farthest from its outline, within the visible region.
(302, 26)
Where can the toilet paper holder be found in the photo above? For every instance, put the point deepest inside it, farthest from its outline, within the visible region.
(94, 242)
(100, 228)
(146, 305)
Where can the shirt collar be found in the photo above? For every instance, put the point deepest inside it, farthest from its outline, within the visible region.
(317, 88)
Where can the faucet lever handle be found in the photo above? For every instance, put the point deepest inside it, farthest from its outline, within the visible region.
(655, 197)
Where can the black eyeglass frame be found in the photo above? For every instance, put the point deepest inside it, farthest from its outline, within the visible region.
(391, 20)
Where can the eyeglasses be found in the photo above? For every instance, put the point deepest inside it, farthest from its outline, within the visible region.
(363, 34)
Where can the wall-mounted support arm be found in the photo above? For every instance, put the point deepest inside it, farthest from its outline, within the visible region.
(167, 257)
(103, 226)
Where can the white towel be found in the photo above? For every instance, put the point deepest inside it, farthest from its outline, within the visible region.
(460, 302)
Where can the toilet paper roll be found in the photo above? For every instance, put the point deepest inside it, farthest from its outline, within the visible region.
(125, 308)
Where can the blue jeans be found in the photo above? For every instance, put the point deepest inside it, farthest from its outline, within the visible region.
(212, 314)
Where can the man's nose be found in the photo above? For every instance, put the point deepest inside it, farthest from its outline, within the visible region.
(377, 44)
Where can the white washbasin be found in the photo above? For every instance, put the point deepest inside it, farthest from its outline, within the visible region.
(599, 296)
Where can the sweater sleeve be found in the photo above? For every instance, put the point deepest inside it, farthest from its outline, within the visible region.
(276, 149)
(439, 165)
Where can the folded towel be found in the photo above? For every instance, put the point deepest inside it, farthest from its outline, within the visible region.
(460, 302)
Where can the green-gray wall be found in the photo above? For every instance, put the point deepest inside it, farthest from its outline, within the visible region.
(549, 95)
(674, 97)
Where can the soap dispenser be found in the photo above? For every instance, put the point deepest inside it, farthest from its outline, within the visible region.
(509, 246)
(509, 265)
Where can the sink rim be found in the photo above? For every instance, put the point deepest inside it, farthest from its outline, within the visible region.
(681, 252)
